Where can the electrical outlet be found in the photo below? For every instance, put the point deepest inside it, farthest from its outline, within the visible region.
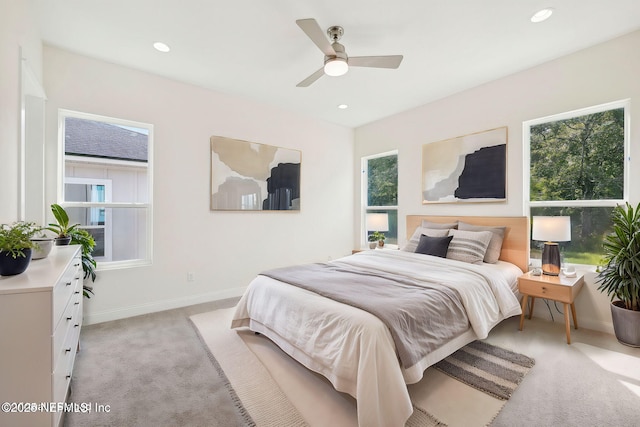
(190, 277)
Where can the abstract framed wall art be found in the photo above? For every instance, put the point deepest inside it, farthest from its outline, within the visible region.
(248, 176)
(466, 169)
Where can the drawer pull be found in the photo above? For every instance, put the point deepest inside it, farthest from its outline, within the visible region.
(76, 325)
(76, 292)
(76, 303)
(68, 283)
(68, 376)
(76, 264)
(69, 318)
(67, 350)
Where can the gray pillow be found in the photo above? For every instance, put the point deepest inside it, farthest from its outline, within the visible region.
(495, 245)
(412, 244)
(436, 246)
(439, 225)
(469, 246)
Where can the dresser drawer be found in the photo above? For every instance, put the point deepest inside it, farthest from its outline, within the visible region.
(64, 364)
(71, 319)
(66, 286)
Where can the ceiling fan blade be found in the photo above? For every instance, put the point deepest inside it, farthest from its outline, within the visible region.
(390, 61)
(312, 78)
(317, 36)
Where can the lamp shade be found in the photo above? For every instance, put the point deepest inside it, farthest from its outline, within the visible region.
(551, 228)
(377, 222)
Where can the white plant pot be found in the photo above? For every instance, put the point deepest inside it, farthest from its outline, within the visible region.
(44, 247)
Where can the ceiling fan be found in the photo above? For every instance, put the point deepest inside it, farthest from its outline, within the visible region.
(336, 60)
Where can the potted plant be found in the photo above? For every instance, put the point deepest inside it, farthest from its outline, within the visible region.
(62, 228)
(376, 236)
(75, 236)
(16, 246)
(43, 245)
(620, 277)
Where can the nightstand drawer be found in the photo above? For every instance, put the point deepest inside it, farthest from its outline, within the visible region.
(546, 290)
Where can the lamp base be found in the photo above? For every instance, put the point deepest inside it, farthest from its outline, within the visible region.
(551, 259)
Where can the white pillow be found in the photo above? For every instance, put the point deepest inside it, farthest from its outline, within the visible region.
(469, 246)
(439, 225)
(495, 245)
(412, 244)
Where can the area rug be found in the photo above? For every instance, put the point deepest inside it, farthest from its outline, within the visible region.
(273, 390)
(493, 370)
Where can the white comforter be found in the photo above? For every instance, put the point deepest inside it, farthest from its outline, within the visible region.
(354, 349)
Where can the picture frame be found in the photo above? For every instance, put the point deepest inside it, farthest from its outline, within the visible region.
(466, 169)
(250, 176)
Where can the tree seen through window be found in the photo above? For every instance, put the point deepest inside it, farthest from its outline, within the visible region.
(575, 164)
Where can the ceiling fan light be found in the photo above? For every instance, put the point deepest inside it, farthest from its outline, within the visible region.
(336, 67)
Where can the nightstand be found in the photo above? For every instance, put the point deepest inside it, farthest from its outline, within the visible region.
(557, 288)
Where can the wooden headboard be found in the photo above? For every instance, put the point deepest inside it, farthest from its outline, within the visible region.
(515, 247)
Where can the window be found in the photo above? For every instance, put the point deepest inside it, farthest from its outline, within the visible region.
(94, 220)
(106, 185)
(577, 168)
(380, 191)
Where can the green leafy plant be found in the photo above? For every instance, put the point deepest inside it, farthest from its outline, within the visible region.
(83, 238)
(620, 277)
(62, 227)
(16, 237)
(376, 236)
(80, 237)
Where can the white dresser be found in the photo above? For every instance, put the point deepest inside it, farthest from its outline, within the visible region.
(40, 321)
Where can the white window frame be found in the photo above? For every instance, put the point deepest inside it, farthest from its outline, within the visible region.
(110, 265)
(526, 144)
(364, 202)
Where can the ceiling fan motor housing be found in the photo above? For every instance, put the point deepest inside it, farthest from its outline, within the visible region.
(340, 53)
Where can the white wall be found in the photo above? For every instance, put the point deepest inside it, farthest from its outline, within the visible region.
(18, 36)
(600, 74)
(224, 250)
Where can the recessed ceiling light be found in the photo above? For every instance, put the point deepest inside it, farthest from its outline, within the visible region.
(542, 15)
(343, 106)
(159, 46)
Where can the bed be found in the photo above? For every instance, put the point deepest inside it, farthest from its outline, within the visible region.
(364, 356)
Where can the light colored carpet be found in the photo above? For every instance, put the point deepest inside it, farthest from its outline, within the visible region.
(594, 382)
(153, 371)
(248, 359)
(149, 370)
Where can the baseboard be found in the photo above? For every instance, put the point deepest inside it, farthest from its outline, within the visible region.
(553, 311)
(594, 325)
(152, 307)
(583, 322)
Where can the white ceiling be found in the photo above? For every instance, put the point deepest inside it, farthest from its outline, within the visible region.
(253, 48)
